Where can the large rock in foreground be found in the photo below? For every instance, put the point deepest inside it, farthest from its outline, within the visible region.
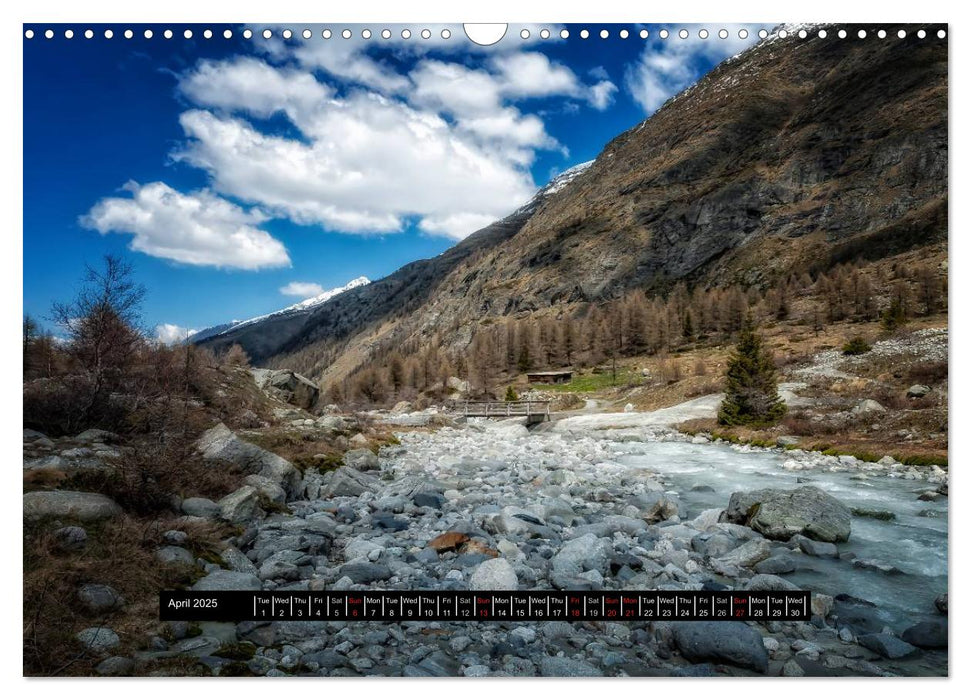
(779, 514)
(220, 444)
(731, 642)
(74, 505)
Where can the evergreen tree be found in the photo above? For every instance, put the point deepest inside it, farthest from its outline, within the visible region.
(751, 397)
(511, 394)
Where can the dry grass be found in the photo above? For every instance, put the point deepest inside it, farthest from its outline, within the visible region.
(119, 553)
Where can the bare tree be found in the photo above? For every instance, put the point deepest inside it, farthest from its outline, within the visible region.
(102, 324)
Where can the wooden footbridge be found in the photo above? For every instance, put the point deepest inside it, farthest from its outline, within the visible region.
(534, 411)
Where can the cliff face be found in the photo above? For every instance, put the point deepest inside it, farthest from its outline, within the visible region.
(793, 156)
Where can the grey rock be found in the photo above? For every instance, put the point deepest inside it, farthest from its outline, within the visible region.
(175, 537)
(940, 602)
(237, 561)
(814, 548)
(365, 572)
(223, 580)
(200, 507)
(71, 538)
(428, 500)
(778, 564)
(887, 645)
(241, 506)
(779, 514)
(266, 488)
(98, 639)
(748, 554)
(494, 575)
(99, 598)
(346, 481)
(96, 435)
(76, 505)
(769, 582)
(563, 667)
(361, 459)
(175, 556)
(918, 391)
(221, 445)
(116, 666)
(288, 386)
(730, 642)
(929, 634)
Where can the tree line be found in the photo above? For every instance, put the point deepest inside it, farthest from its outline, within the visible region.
(636, 324)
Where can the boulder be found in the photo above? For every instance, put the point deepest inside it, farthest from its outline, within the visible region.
(565, 667)
(365, 572)
(929, 634)
(459, 385)
(347, 481)
(494, 575)
(778, 564)
(288, 386)
(748, 554)
(868, 406)
(222, 445)
(98, 598)
(116, 666)
(74, 505)
(769, 582)
(585, 553)
(71, 539)
(98, 639)
(361, 459)
(200, 507)
(780, 515)
(728, 642)
(918, 391)
(95, 435)
(175, 556)
(657, 507)
(267, 488)
(887, 645)
(814, 548)
(940, 602)
(241, 506)
(222, 580)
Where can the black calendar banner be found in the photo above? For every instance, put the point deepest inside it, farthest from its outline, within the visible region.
(484, 606)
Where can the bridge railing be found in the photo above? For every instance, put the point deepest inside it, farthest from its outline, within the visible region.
(499, 409)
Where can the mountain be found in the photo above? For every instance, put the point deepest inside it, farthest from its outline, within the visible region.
(278, 319)
(400, 293)
(791, 157)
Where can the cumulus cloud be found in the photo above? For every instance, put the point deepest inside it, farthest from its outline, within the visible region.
(171, 334)
(199, 228)
(668, 66)
(304, 290)
(443, 144)
(369, 164)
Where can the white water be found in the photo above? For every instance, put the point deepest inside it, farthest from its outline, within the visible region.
(916, 545)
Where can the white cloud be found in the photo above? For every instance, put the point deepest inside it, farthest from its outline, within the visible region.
(367, 165)
(170, 334)
(198, 228)
(303, 290)
(668, 66)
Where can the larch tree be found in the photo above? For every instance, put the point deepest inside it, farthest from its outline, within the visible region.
(751, 394)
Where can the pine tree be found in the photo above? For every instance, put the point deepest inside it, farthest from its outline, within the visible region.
(511, 394)
(751, 397)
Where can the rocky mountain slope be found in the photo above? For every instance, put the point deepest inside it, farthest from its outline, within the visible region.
(794, 156)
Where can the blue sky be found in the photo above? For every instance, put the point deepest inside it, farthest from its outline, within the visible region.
(242, 175)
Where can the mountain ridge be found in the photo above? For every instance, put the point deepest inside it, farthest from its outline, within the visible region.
(791, 157)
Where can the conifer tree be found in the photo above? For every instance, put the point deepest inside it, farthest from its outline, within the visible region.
(751, 397)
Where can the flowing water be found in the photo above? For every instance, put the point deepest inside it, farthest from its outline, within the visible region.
(914, 545)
